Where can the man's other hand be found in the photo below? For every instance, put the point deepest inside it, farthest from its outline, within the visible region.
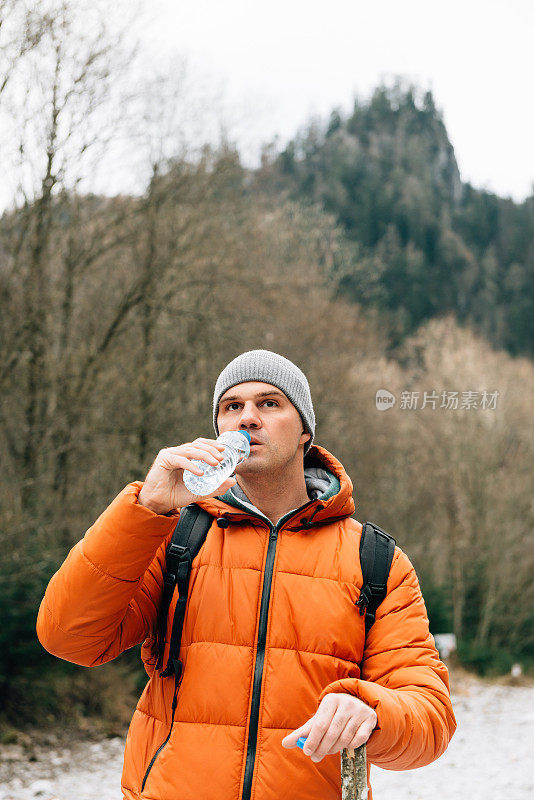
(340, 721)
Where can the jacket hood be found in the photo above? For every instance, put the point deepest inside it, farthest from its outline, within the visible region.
(328, 485)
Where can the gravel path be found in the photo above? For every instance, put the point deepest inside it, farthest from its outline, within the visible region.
(491, 755)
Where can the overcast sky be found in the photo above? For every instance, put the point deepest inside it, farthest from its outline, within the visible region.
(274, 64)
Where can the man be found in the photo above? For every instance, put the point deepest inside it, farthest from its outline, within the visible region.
(273, 647)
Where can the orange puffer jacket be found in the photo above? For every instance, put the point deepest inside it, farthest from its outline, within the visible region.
(271, 626)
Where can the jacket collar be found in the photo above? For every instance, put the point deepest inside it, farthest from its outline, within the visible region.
(329, 487)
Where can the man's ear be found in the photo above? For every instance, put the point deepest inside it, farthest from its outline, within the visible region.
(308, 435)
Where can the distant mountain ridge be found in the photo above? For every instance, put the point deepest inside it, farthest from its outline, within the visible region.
(424, 242)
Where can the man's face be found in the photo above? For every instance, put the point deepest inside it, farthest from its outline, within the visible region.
(270, 418)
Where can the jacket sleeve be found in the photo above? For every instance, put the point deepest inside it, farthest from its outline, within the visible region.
(105, 596)
(403, 679)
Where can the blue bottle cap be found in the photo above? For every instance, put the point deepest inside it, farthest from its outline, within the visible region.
(245, 433)
(301, 741)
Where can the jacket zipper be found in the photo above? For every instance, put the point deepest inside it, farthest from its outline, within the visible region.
(260, 650)
(162, 745)
(258, 667)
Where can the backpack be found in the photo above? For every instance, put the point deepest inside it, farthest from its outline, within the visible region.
(376, 554)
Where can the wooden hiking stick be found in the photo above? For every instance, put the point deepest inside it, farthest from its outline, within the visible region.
(354, 773)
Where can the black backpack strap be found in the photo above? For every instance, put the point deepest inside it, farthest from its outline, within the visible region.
(187, 539)
(376, 554)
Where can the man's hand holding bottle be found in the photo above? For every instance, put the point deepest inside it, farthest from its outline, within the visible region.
(164, 489)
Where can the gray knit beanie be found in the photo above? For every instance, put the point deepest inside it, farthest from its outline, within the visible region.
(268, 367)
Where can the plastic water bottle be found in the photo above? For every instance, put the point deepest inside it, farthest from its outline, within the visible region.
(236, 450)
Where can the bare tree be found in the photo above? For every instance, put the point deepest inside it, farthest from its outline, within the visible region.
(53, 112)
(463, 492)
(22, 26)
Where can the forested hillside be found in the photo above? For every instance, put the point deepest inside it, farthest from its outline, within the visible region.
(424, 243)
(141, 309)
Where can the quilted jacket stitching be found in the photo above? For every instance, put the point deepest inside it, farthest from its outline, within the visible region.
(67, 633)
(103, 572)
